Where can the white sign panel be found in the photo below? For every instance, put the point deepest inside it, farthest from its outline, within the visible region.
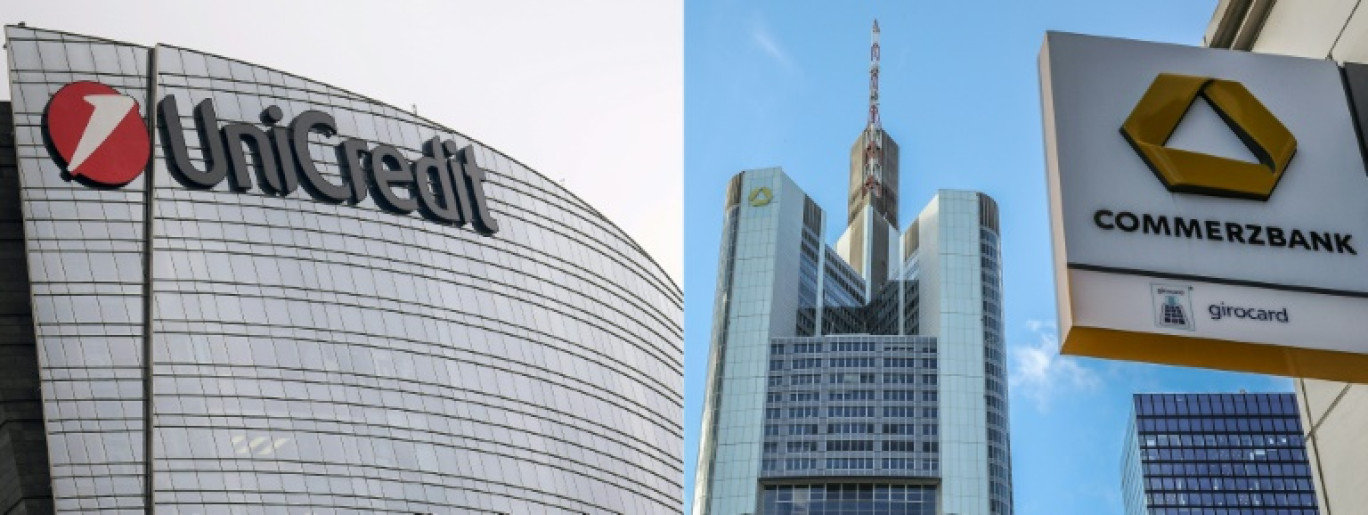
(1206, 202)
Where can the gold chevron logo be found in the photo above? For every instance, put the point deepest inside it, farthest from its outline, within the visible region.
(761, 196)
(1157, 114)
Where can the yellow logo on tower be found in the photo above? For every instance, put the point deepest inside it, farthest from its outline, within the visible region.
(761, 196)
(1161, 108)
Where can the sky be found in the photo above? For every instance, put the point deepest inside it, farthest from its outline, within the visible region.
(771, 83)
(589, 93)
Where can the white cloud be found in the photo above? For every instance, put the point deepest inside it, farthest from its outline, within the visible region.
(762, 37)
(1039, 373)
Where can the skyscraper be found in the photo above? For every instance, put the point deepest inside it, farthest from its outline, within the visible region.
(865, 377)
(226, 341)
(1216, 454)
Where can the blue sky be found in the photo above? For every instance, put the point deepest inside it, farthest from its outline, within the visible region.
(785, 83)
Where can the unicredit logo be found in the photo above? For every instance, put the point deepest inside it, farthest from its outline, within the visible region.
(101, 140)
(96, 134)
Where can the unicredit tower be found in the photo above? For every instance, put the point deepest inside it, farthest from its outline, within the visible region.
(228, 289)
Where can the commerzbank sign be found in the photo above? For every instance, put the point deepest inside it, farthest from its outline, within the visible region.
(1206, 207)
(1155, 119)
(100, 139)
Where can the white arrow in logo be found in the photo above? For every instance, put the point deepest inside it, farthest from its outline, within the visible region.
(109, 111)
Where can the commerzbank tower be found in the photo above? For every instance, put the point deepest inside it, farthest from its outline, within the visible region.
(865, 377)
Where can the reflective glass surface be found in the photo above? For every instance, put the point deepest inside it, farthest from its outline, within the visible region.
(852, 405)
(335, 358)
(848, 499)
(85, 260)
(1192, 454)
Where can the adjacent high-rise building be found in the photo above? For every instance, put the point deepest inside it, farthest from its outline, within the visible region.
(861, 378)
(1216, 454)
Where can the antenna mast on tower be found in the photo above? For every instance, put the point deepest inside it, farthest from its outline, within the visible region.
(873, 164)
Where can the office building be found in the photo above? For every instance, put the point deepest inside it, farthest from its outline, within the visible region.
(230, 289)
(1216, 454)
(1334, 414)
(865, 377)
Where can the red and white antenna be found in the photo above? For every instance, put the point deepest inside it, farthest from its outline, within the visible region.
(873, 166)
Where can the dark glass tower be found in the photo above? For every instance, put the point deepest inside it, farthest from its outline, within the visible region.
(1216, 454)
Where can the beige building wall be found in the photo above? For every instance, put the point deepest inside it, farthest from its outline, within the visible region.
(1319, 29)
(1335, 417)
(1334, 414)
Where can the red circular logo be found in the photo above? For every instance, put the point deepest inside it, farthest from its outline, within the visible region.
(97, 134)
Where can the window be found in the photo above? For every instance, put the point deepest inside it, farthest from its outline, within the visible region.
(853, 378)
(803, 412)
(899, 429)
(898, 395)
(850, 428)
(850, 445)
(850, 463)
(800, 463)
(899, 446)
(899, 378)
(854, 347)
(802, 396)
(898, 411)
(853, 362)
(850, 411)
(899, 362)
(899, 464)
(802, 429)
(851, 395)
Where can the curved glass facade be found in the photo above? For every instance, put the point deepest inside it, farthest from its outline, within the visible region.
(332, 358)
